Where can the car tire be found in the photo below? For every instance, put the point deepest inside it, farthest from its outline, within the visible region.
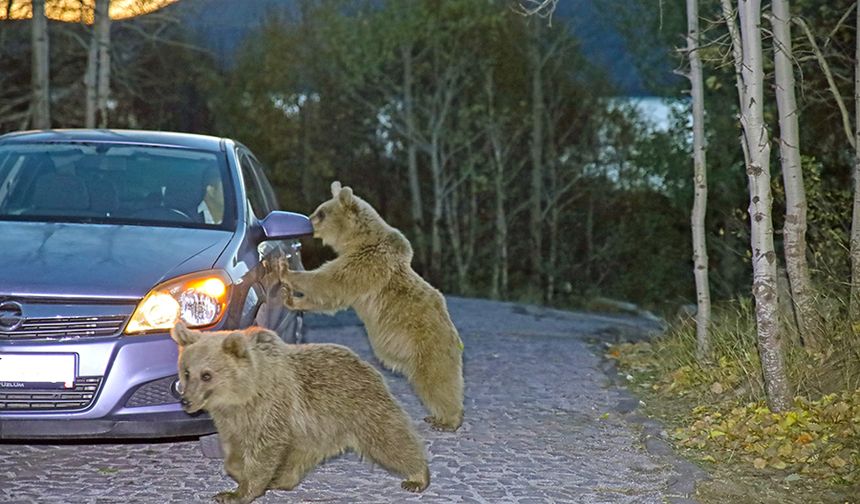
(211, 446)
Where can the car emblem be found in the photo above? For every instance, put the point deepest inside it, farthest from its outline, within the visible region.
(11, 315)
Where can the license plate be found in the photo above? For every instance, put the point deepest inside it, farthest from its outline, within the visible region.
(22, 371)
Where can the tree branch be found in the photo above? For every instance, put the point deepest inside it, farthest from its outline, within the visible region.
(825, 67)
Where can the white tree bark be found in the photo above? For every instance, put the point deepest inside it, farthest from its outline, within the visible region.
(794, 229)
(97, 76)
(537, 171)
(412, 156)
(700, 185)
(855, 219)
(500, 151)
(40, 108)
(102, 28)
(761, 233)
(90, 83)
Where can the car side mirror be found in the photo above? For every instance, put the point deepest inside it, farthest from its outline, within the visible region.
(284, 225)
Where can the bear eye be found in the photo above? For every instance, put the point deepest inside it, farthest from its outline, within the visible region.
(187, 374)
(321, 214)
(206, 376)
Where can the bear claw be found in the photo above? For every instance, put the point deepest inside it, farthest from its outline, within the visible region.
(439, 425)
(412, 486)
(227, 497)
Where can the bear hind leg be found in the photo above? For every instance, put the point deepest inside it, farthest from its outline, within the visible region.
(441, 391)
(401, 454)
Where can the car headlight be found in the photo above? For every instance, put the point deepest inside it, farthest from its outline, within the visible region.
(199, 300)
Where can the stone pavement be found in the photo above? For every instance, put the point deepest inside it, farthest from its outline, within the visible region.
(543, 425)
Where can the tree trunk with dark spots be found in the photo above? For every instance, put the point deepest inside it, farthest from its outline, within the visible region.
(757, 144)
(794, 229)
(700, 185)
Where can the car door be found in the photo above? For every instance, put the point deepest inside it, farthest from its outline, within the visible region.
(270, 310)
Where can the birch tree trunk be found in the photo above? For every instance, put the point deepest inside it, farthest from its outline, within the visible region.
(700, 185)
(536, 151)
(435, 271)
(761, 224)
(40, 108)
(855, 219)
(412, 157)
(97, 76)
(102, 28)
(91, 81)
(499, 154)
(500, 263)
(737, 58)
(794, 229)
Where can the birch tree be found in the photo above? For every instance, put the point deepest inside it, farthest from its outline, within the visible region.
(855, 219)
(536, 148)
(97, 76)
(40, 107)
(853, 137)
(700, 184)
(756, 143)
(502, 137)
(794, 228)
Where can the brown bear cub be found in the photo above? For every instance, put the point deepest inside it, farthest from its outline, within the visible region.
(407, 319)
(282, 409)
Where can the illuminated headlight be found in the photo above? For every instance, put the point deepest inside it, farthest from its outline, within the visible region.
(199, 300)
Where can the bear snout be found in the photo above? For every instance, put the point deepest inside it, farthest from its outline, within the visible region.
(188, 406)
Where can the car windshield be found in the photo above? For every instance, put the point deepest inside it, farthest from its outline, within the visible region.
(114, 184)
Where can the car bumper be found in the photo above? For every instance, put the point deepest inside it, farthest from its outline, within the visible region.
(133, 397)
(142, 427)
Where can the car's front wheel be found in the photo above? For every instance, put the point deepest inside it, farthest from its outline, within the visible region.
(210, 445)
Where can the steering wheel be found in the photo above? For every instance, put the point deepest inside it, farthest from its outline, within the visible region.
(161, 213)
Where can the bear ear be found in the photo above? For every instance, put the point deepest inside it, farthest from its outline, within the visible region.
(345, 197)
(235, 345)
(335, 188)
(183, 336)
(261, 335)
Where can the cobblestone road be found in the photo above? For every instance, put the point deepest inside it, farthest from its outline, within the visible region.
(542, 425)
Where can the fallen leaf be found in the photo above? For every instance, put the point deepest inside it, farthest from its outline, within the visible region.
(717, 388)
(778, 464)
(836, 461)
(760, 463)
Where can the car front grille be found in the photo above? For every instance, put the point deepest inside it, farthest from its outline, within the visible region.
(66, 327)
(77, 398)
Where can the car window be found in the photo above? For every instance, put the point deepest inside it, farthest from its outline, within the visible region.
(253, 190)
(268, 192)
(114, 183)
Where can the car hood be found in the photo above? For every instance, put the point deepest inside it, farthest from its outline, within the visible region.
(100, 261)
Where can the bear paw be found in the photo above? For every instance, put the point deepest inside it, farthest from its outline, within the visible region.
(440, 425)
(227, 497)
(413, 486)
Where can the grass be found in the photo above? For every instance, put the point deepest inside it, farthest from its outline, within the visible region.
(717, 413)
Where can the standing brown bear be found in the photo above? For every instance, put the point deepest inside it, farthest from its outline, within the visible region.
(407, 320)
(282, 409)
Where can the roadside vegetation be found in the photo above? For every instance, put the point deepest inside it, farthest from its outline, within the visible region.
(716, 411)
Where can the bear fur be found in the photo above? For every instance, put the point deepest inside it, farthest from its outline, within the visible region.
(407, 320)
(282, 409)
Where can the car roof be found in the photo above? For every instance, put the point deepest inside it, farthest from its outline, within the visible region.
(139, 137)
